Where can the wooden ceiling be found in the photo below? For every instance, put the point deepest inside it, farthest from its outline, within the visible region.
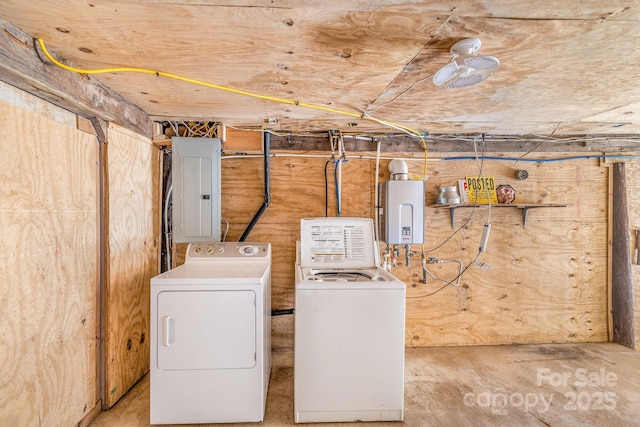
(569, 67)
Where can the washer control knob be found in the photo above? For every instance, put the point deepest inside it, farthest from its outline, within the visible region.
(249, 250)
(209, 250)
(220, 249)
(197, 250)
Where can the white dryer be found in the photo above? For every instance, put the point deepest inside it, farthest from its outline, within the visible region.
(349, 326)
(211, 335)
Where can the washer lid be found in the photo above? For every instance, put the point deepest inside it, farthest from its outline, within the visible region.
(337, 243)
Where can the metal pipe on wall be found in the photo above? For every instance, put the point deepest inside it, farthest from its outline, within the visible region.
(267, 184)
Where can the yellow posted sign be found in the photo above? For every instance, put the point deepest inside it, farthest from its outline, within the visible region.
(481, 190)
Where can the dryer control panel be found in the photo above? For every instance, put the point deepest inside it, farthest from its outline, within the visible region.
(227, 251)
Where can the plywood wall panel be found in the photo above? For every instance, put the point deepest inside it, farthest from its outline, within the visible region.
(242, 189)
(48, 264)
(579, 183)
(529, 280)
(133, 169)
(297, 188)
(36, 105)
(283, 256)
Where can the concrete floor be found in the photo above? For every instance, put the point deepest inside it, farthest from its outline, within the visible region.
(520, 385)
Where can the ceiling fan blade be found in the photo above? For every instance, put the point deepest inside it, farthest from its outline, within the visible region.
(484, 63)
(445, 73)
(468, 80)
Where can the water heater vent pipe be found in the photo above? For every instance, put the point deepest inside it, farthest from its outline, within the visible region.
(399, 170)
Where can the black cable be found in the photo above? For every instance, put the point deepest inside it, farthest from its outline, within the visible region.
(282, 312)
(473, 208)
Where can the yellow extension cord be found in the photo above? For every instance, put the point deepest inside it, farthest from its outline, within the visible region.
(237, 91)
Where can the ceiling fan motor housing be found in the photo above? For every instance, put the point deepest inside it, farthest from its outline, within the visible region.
(465, 47)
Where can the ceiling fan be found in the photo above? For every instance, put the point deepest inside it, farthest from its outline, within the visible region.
(466, 68)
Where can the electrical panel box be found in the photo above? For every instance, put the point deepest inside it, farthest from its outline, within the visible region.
(195, 175)
(402, 213)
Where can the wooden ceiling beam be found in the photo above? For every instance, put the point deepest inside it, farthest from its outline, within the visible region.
(400, 143)
(22, 67)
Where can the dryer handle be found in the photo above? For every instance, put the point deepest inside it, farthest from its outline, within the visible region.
(168, 331)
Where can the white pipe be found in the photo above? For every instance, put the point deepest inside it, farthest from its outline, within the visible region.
(362, 138)
(339, 179)
(325, 156)
(376, 204)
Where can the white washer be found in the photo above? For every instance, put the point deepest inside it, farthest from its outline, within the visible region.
(349, 326)
(211, 335)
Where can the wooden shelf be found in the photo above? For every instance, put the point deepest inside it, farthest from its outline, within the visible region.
(525, 207)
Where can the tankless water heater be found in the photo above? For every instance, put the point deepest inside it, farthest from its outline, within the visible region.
(402, 208)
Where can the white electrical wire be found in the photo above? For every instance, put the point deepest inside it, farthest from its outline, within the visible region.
(481, 173)
(457, 278)
(536, 147)
(224, 237)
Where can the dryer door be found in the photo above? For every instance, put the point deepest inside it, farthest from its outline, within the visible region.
(206, 330)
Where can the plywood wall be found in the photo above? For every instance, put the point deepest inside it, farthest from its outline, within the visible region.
(48, 270)
(546, 283)
(133, 215)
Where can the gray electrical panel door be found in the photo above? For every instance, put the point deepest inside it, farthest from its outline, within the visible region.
(195, 174)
